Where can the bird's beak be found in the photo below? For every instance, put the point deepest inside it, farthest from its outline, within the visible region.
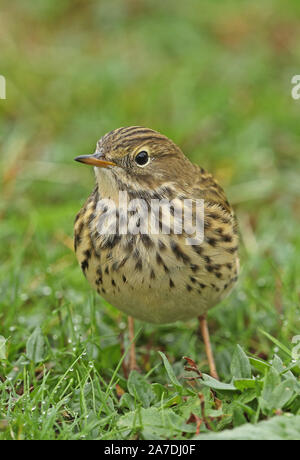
(95, 160)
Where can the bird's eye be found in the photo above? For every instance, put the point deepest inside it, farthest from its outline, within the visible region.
(142, 158)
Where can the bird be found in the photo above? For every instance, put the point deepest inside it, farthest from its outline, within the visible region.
(156, 277)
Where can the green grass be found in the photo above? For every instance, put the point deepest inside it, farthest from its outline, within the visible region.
(215, 78)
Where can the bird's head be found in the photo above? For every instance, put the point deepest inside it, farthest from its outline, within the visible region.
(138, 158)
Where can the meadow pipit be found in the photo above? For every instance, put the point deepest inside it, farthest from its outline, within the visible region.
(161, 275)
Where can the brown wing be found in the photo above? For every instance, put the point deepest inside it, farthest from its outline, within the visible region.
(207, 188)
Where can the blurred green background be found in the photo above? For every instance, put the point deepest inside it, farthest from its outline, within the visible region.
(216, 78)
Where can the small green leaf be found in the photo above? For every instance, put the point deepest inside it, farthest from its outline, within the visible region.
(275, 393)
(215, 384)
(36, 346)
(240, 365)
(271, 381)
(139, 388)
(172, 400)
(283, 393)
(245, 408)
(238, 417)
(277, 364)
(260, 365)
(244, 384)
(2, 347)
(170, 372)
(159, 390)
(153, 423)
(279, 396)
(247, 396)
